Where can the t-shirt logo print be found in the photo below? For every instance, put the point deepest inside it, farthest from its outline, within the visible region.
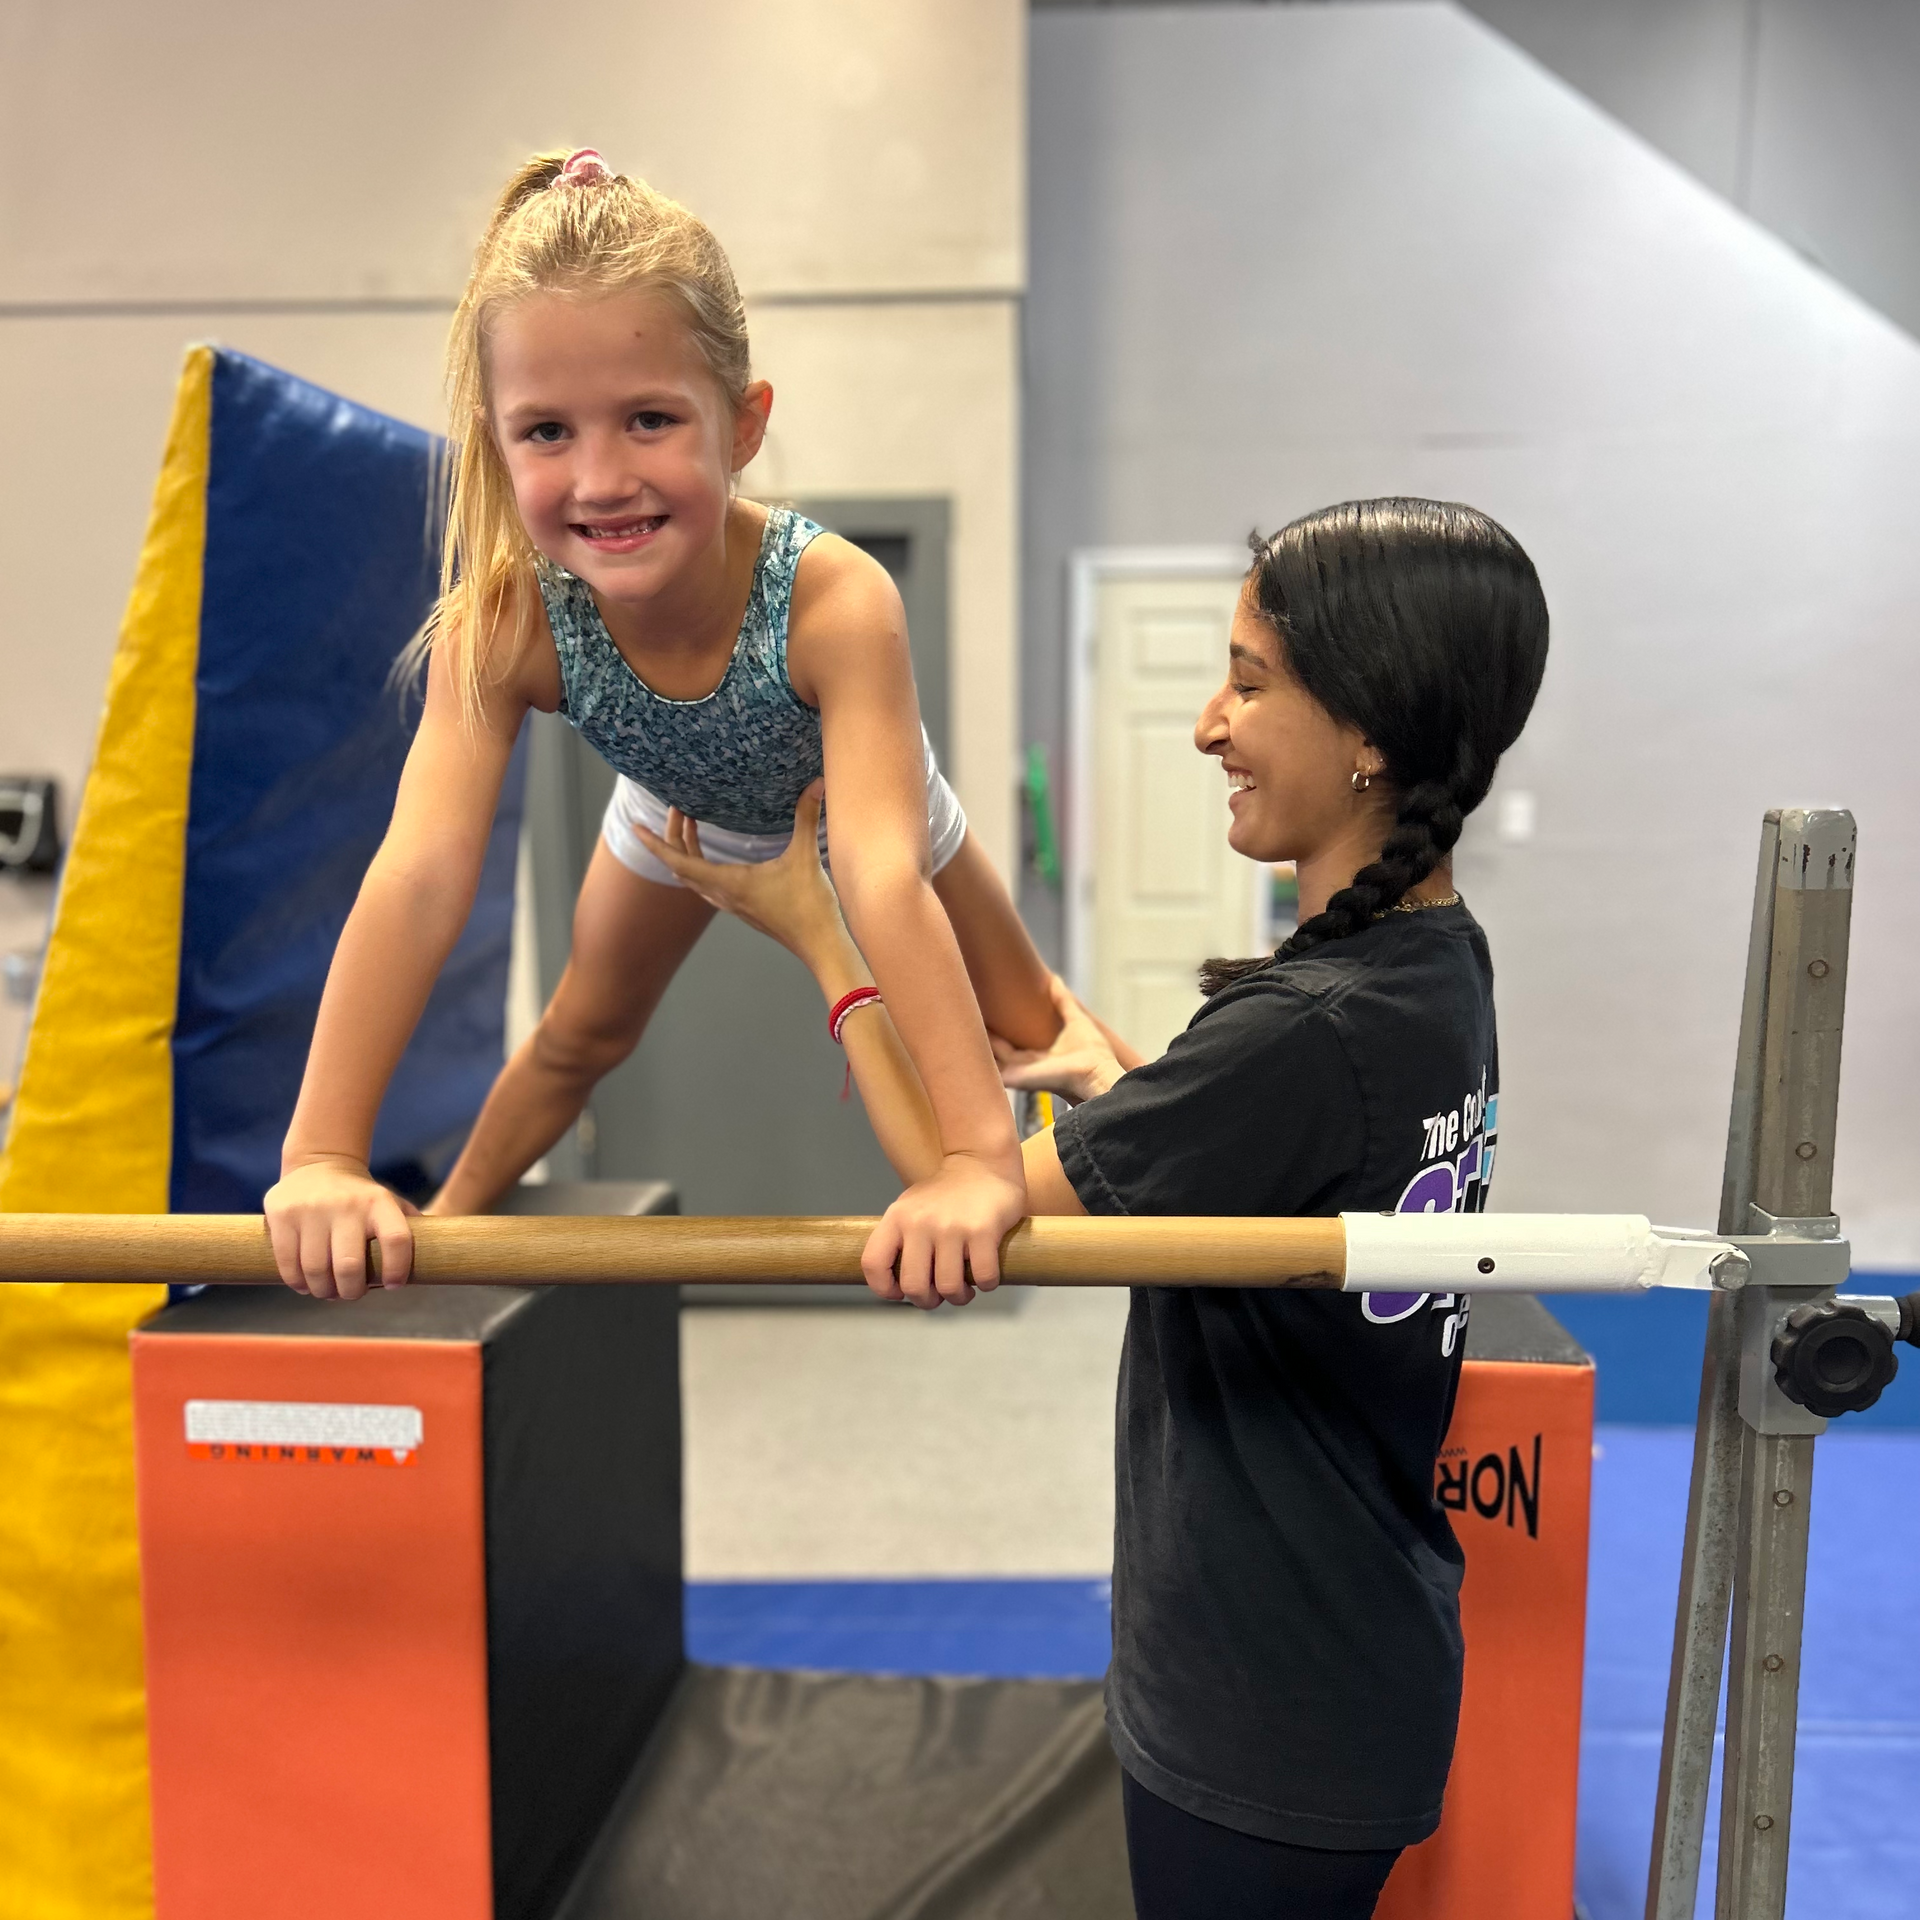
(1456, 1165)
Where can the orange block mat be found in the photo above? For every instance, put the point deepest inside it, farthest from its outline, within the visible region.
(1516, 1475)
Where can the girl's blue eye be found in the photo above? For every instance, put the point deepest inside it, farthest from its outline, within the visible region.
(651, 421)
(546, 433)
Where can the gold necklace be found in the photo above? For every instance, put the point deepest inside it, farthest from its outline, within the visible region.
(1420, 906)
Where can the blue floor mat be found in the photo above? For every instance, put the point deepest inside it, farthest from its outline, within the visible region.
(980, 1629)
(1856, 1844)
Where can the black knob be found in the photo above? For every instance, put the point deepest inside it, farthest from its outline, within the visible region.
(1833, 1358)
(1909, 1305)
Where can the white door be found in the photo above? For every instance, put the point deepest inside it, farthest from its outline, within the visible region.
(1160, 890)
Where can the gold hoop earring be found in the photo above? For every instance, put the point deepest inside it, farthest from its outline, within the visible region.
(1361, 781)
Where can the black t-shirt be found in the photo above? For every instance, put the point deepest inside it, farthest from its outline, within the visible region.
(1286, 1624)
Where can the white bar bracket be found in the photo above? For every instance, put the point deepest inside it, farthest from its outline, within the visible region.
(1577, 1253)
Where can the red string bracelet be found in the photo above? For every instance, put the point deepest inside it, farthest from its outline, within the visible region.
(850, 1003)
(837, 1018)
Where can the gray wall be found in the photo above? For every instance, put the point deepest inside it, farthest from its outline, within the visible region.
(1288, 255)
(1679, 72)
(1801, 112)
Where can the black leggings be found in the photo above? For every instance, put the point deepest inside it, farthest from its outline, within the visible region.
(1186, 1868)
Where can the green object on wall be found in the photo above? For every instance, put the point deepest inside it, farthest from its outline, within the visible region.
(1039, 792)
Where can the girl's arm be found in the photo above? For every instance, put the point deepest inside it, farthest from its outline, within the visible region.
(847, 653)
(411, 908)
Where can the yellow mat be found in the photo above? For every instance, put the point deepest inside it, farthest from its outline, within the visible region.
(92, 1132)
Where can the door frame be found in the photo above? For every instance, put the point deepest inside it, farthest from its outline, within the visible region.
(1088, 570)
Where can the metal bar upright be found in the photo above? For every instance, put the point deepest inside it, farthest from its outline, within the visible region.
(1706, 1571)
(1792, 1180)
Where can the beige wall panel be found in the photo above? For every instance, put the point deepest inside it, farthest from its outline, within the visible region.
(919, 399)
(221, 150)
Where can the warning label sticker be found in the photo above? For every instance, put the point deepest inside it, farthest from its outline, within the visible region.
(315, 1433)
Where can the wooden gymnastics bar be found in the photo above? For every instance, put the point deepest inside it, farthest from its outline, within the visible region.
(509, 1250)
(1357, 1252)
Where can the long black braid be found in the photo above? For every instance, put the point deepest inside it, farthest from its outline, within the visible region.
(1421, 624)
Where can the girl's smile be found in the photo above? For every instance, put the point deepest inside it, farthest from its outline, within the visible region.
(619, 536)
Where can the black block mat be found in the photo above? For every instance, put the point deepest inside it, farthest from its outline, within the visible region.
(852, 1797)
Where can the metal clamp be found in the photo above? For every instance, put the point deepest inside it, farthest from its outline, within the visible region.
(1795, 1253)
(1764, 1404)
(1791, 1263)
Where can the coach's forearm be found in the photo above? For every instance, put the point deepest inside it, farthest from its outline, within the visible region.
(907, 939)
(896, 1104)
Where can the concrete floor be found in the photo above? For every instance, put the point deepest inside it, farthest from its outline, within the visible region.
(872, 1440)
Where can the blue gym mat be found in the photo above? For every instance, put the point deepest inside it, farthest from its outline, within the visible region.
(1856, 1845)
(971, 1629)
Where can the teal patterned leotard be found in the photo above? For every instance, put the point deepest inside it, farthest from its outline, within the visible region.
(738, 758)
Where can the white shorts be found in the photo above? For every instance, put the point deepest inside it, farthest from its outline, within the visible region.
(631, 802)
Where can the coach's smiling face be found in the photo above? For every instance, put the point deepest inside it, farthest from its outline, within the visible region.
(1290, 765)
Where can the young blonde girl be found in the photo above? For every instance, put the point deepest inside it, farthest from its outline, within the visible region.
(722, 656)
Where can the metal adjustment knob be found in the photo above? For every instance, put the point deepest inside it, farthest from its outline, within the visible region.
(1833, 1358)
(1909, 1305)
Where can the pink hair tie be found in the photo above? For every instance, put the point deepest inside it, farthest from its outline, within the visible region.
(585, 168)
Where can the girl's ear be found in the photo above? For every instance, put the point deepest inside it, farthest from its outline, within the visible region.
(750, 422)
